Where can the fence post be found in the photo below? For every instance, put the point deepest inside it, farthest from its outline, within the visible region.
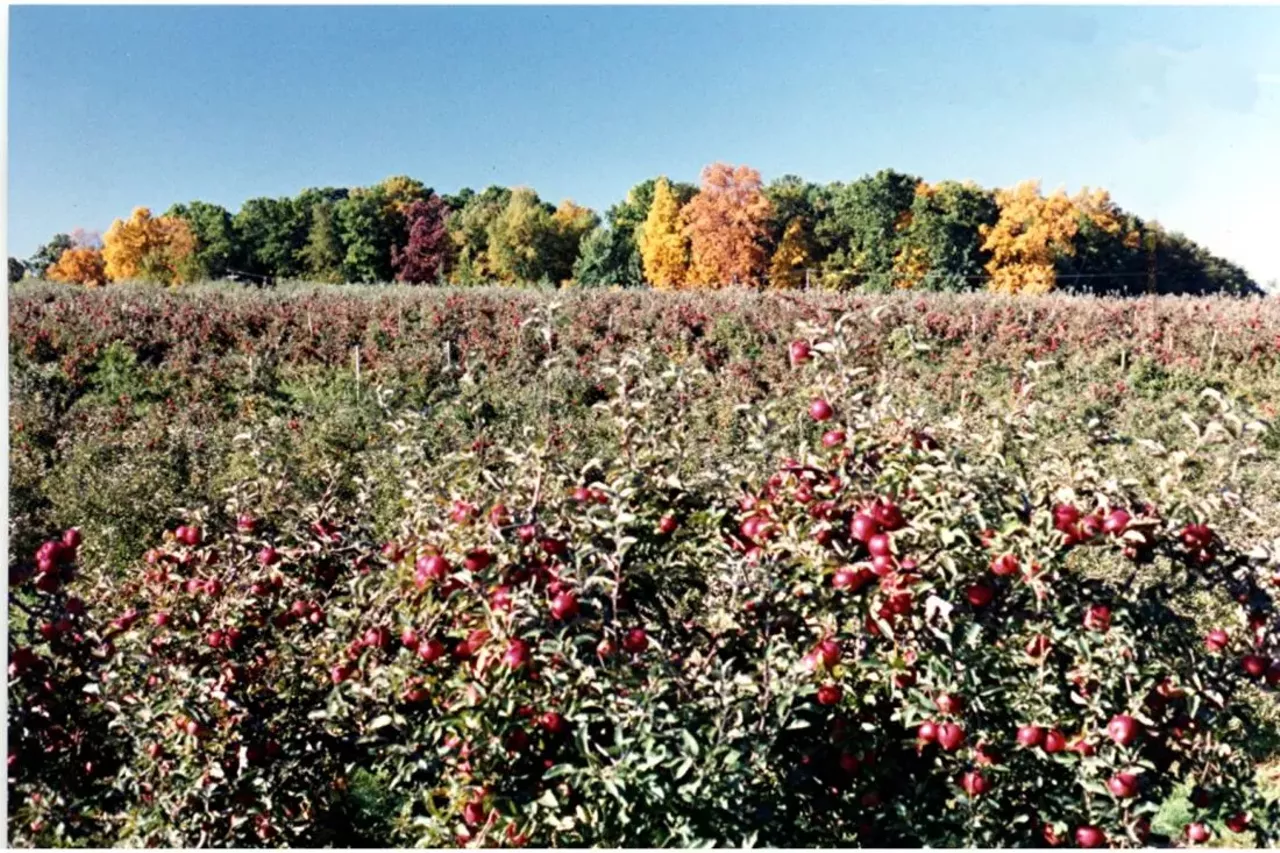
(357, 359)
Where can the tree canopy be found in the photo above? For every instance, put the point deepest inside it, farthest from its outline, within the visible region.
(883, 231)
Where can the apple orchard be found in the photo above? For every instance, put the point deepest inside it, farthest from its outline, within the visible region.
(862, 628)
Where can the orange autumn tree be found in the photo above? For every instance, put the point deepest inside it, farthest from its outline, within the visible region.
(79, 265)
(664, 249)
(1030, 234)
(154, 249)
(726, 223)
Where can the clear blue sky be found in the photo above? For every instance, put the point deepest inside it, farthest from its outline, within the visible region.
(1175, 110)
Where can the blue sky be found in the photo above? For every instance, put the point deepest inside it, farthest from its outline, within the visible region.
(1175, 110)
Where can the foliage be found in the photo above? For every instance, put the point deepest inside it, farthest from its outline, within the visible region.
(401, 191)
(271, 232)
(880, 232)
(79, 265)
(940, 248)
(367, 229)
(469, 228)
(48, 254)
(792, 258)
(865, 226)
(17, 270)
(322, 256)
(253, 682)
(570, 225)
(520, 238)
(425, 256)
(726, 227)
(211, 226)
(608, 259)
(663, 245)
(160, 250)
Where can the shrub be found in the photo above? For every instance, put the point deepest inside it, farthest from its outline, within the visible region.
(895, 636)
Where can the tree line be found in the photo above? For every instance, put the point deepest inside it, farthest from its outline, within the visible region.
(881, 232)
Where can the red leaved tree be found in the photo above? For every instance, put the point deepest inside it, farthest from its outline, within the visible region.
(427, 252)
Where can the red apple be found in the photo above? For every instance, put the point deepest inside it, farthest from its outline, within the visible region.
(564, 606)
(430, 650)
(1123, 729)
(1123, 785)
(950, 736)
(833, 438)
(553, 723)
(1217, 640)
(1255, 666)
(477, 560)
(949, 703)
(635, 641)
(1054, 741)
(980, 594)
(1238, 822)
(667, 524)
(517, 654)
(1030, 736)
(820, 410)
(1197, 537)
(974, 783)
(1038, 646)
(430, 568)
(1004, 565)
(928, 731)
(829, 694)
(827, 653)
(879, 546)
(1090, 836)
(863, 527)
(1116, 522)
(1197, 833)
(1098, 618)
(798, 352)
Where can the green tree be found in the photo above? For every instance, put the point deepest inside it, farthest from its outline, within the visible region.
(791, 199)
(271, 232)
(571, 223)
(367, 231)
(48, 254)
(322, 256)
(608, 258)
(863, 228)
(17, 269)
(941, 247)
(469, 226)
(521, 239)
(211, 225)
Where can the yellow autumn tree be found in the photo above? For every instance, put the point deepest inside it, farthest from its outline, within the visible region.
(910, 266)
(79, 265)
(155, 249)
(726, 223)
(792, 257)
(911, 262)
(1032, 231)
(664, 250)
(400, 191)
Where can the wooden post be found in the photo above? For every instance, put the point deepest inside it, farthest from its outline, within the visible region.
(357, 359)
